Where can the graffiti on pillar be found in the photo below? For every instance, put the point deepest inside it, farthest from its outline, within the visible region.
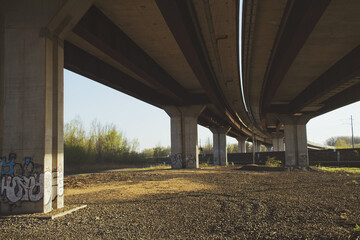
(290, 159)
(176, 160)
(47, 190)
(58, 183)
(7, 167)
(303, 159)
(21, 181)
(22, 188)
(11, 168)
(190, 160)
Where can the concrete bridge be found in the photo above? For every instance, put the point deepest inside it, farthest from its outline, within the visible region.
(299, 59)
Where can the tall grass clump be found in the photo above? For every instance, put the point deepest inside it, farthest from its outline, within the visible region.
(273, 162)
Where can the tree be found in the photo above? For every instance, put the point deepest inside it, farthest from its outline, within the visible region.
(332, 141)
(103, 143)
(74, 133)
(160, 151)
(148, 153)
(232, 148)
(249, 147)
(207, 148)
(341, 143)
(263, 148)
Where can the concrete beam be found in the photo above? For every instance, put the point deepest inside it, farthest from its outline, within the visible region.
(342, 99)
(339, 74)
(97, 29)
(184, 148)
(296, 152)
(182, 23)
(67, 17)
(219, 145)
(31, 107)
(85, 64)
(300, 22)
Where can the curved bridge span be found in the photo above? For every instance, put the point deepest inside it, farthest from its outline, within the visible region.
(253, 70)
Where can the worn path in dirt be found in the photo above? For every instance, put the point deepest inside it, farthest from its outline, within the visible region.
(223, 203)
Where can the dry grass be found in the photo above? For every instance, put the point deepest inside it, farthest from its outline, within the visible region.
(341, 169)
(154, 167)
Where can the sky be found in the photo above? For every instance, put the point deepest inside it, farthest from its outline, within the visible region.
(89, 100)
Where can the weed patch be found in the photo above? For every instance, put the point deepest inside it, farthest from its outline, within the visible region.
(273, 162)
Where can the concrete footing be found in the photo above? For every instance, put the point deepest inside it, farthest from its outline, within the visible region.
(50, 215)
(184, 148)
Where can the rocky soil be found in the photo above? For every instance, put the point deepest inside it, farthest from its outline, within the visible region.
(222, 203)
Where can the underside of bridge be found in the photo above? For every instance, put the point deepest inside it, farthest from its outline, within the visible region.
(176, 55)
(299, 59)
(181, 56)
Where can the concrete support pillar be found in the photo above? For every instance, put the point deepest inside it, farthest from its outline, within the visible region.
(257, 146)
(31, 103)
(253, 149)
(184, 148)
(219, 145)
(242, 144)
(296, 152)
(278, 142)
(268, 148)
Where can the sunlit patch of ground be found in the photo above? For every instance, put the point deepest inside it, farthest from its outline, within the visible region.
(341, 169)
(130, 190)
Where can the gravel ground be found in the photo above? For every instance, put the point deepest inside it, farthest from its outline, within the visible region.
(222, 203)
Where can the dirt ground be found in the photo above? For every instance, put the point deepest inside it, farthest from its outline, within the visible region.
(222, 203)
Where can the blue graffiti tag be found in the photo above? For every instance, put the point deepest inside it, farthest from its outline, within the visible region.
(27, 161)
(10, 165)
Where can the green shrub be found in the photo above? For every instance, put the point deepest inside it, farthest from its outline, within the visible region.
(272, 162)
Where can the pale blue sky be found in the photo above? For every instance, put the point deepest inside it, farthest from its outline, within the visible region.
(151, 126)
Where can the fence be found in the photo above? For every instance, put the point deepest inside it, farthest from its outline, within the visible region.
(333, 157)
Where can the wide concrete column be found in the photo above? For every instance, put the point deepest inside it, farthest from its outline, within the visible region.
(296, 152)
(184, 147)
(219, 145)
(31, 103)
(242, 144)
(278, 142)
